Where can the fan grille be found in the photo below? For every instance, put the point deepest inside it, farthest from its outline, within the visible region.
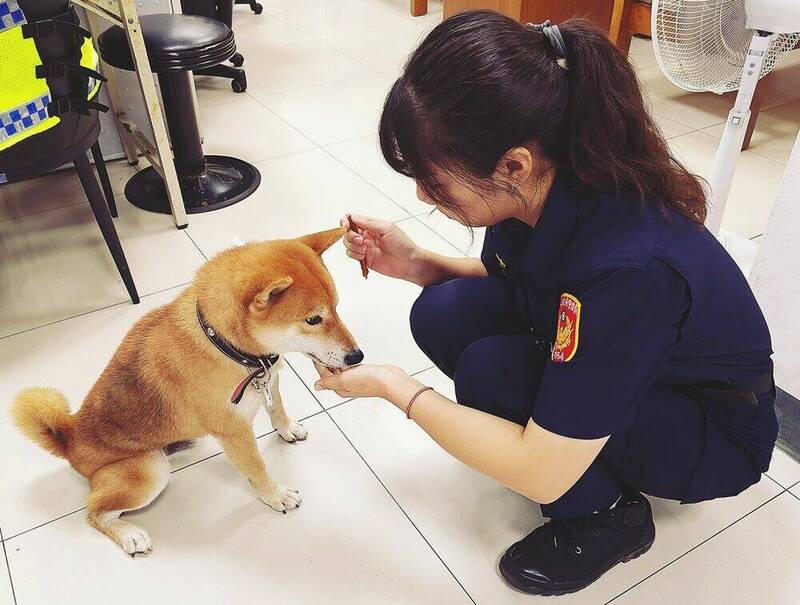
(702, 45)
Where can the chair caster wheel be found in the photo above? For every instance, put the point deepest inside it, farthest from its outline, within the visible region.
(239, 84)
(258, 9)
(237, 60)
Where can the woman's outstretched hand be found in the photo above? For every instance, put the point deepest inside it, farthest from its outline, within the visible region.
(385, 247)
(360, 381)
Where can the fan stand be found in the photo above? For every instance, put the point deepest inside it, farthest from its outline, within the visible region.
(730, 146)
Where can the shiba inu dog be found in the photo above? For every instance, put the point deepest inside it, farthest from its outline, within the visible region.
(200, 365)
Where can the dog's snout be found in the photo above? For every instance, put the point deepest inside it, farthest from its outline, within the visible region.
(354, 357)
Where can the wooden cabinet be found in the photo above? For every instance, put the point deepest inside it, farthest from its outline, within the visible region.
(612, 16)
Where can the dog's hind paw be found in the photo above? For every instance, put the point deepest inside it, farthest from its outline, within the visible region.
(283, 499)
(293, 432)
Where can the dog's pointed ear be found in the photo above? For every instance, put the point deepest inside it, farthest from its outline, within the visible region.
(264, 297)
(319, 242)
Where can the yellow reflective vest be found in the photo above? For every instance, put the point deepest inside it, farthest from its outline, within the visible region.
(26, 104)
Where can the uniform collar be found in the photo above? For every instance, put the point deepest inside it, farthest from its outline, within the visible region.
(550, 237)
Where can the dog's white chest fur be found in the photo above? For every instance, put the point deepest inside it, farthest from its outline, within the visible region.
(253, 399)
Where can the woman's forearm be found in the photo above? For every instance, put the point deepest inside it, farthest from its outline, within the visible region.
(434, 268)
(489, 444)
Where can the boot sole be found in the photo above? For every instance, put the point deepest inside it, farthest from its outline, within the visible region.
(543, 592)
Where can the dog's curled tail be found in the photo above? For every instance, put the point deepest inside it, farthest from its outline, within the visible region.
(43, 416)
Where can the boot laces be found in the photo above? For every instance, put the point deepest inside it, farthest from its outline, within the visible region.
(577, 533)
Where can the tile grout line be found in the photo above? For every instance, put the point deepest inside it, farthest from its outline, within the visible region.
(371, 186)
(695, 547)
(312, 38)
(402, 510)
(372, 135)
(171, 472)
(38, 212)
(292, 126)
(330, 46)
(718, 140)
(68, 205)
(423, 32)
(374, 71)
(381, 30)
(325, 149)
(386, 489)
(117, 304)
(35, 527)
(437, 234)
(774, 481)
(297, 33)
(337, 160)
(215, 454)
(329, 154)
(191, 239)
(8, 567)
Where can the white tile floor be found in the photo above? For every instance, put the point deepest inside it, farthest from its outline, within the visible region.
(387, 516)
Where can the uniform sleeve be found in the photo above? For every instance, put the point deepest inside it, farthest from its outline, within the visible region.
(622, 325)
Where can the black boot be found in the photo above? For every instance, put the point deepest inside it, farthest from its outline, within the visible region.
(566, 555)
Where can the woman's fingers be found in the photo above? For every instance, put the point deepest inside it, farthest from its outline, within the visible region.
(376, 225)
(322, 370)
(328, 383)
(356, 255)
(355, 248)
(354, 243)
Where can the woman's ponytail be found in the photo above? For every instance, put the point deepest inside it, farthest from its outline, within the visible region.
(613, 142)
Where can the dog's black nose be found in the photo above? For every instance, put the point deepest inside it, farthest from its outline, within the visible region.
(354, 357)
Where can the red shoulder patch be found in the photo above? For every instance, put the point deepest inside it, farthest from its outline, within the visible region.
(567, 329)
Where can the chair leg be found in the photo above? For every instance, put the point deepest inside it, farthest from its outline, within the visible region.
(755, 108)
(105, 222)
(100, 165)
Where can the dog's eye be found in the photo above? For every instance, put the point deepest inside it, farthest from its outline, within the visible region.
(313, 321)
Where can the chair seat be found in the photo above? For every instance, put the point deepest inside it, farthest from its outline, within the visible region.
(48, 150)
(173, 42)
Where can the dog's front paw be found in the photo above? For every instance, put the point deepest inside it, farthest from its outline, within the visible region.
(134, 540)
(282, 499)
(292, 432)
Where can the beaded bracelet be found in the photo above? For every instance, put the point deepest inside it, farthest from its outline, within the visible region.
(414, 398)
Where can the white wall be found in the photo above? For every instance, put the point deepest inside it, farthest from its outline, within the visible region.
(776, 277)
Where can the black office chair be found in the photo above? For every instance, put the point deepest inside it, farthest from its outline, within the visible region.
(223, 11)
(75, 134)
(254, 6)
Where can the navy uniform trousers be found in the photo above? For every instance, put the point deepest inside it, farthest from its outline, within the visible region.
(470, 329)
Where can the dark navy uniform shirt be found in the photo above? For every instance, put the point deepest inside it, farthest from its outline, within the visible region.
(627, 296)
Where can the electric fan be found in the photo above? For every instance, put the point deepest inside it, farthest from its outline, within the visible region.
(720, 46)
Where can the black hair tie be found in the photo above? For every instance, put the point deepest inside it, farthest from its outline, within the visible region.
(554, 37)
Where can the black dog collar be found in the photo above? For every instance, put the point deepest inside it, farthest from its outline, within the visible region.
(261, 363)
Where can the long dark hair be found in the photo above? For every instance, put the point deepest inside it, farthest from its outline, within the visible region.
(481, 84)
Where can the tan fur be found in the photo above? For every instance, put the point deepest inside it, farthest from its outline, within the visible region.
(43, 416)
(167, 383)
